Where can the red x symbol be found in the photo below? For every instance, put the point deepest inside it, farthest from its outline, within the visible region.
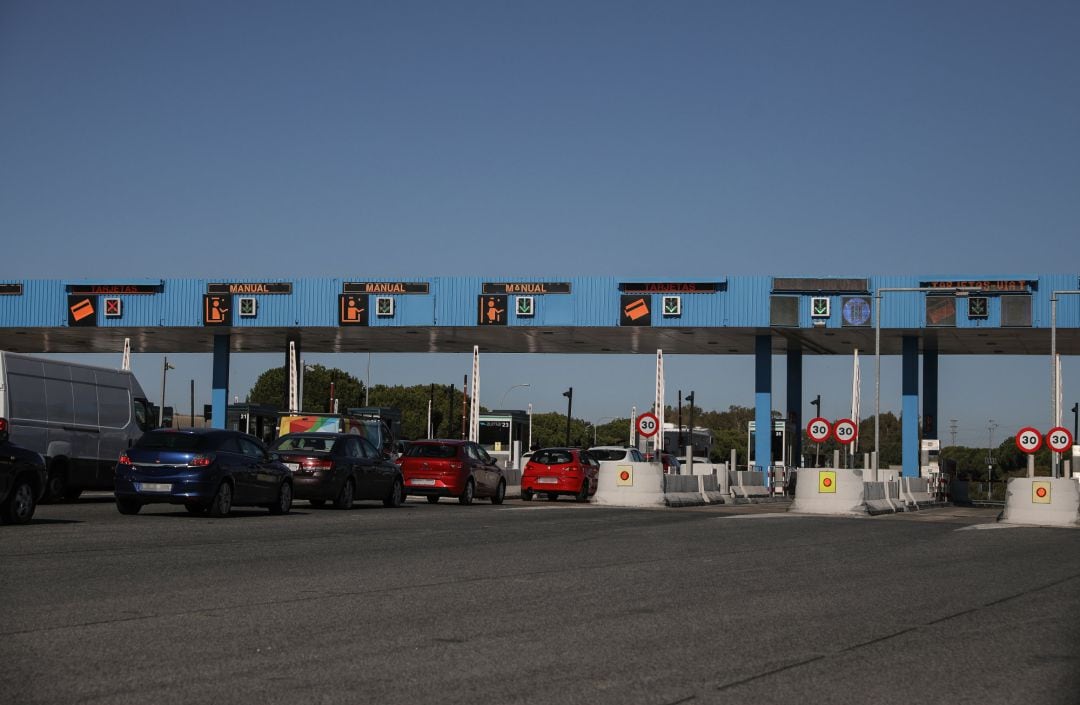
(112, 307)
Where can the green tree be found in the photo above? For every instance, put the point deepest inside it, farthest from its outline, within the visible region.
(269, 389)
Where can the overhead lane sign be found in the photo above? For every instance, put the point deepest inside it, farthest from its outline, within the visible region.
(530, 288)
(250, 288)
(82, 289)
(672, 287)
(385, 288)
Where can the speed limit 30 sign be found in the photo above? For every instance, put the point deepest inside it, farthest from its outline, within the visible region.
(1028, 440)
(1059, 439)
(648, 424)
(844, 431)
(818, 430)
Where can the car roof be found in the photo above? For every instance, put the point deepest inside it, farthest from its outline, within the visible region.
(440, 441)
(613, 448)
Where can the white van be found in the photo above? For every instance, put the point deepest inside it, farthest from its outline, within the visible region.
(80, 418)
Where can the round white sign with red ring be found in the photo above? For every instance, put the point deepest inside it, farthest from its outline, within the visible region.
(844, 431)
(819, 430)
(648, 424)
(1029, 440)
(1059, 439)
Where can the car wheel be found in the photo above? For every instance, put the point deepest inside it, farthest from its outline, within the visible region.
(583, 494)
(56, 484)
(396, 496)
(221, 505)
(553, 496)
(128, 506)
(284, 499)
(526, 495)
(18, 508)
(470, 490)
(345, 497)
(195, 509)
(432, 498)
(500, 493)
(317, 502)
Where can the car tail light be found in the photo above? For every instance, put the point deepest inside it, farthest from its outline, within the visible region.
(3, 425)
(201, 461)
(124, 459)
(318, 464)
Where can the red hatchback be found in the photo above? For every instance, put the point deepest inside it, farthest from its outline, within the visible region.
(452, 468)
(556, 471)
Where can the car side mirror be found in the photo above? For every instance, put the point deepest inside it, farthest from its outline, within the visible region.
(276, 457)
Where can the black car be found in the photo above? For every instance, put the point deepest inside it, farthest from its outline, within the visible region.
(206, 470)
(339, 468)
(22, 480)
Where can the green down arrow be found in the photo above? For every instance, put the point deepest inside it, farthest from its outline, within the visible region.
(821, 307)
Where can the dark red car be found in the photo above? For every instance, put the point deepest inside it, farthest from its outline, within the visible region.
(452, 468)
(556, 471)
(339, 468)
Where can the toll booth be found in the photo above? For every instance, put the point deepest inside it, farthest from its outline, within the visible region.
(781, 449)
(503, 434)
(929, 457)
(254, 419)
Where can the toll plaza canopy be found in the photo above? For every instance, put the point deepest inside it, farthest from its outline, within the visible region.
(761, 315)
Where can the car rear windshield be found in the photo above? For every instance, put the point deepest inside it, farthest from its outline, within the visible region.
(552, 457)
(167, 440)
(431, 450)
(610, 454)
(301, 442)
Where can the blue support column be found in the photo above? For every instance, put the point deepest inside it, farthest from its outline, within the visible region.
(794, 405)
(910, 409)
(763, 402)
(930, 421)
(220, 394)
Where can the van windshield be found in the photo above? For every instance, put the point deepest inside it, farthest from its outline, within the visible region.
(170, 440)
(141, 408)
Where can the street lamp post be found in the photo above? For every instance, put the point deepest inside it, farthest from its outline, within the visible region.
(569, 394)
(990, 426)
(502, 404)
(955, 291)
(690, 427)
(165, 367)
(817, 446)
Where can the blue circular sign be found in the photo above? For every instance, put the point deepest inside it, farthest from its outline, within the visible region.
(856, 311)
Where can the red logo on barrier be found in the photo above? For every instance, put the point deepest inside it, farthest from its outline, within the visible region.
(1041, 492)
(624, 475)
(827, 482)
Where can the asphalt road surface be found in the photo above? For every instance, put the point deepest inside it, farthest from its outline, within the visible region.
(535, 603)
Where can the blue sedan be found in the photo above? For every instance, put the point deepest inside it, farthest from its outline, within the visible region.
(206, 470)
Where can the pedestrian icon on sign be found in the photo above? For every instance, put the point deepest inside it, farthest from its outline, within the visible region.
(492, 310)
(217, 310)
(353, 310)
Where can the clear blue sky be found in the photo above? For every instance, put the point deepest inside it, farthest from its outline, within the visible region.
(673, 139)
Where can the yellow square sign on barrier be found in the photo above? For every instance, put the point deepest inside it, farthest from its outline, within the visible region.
(1040, 492)
(625, 475)
(826, 481)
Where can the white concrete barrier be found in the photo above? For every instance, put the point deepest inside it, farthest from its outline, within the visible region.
(682, 491)
(747, 484)
(1042, 501)
(829, 491)
(627, 484)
